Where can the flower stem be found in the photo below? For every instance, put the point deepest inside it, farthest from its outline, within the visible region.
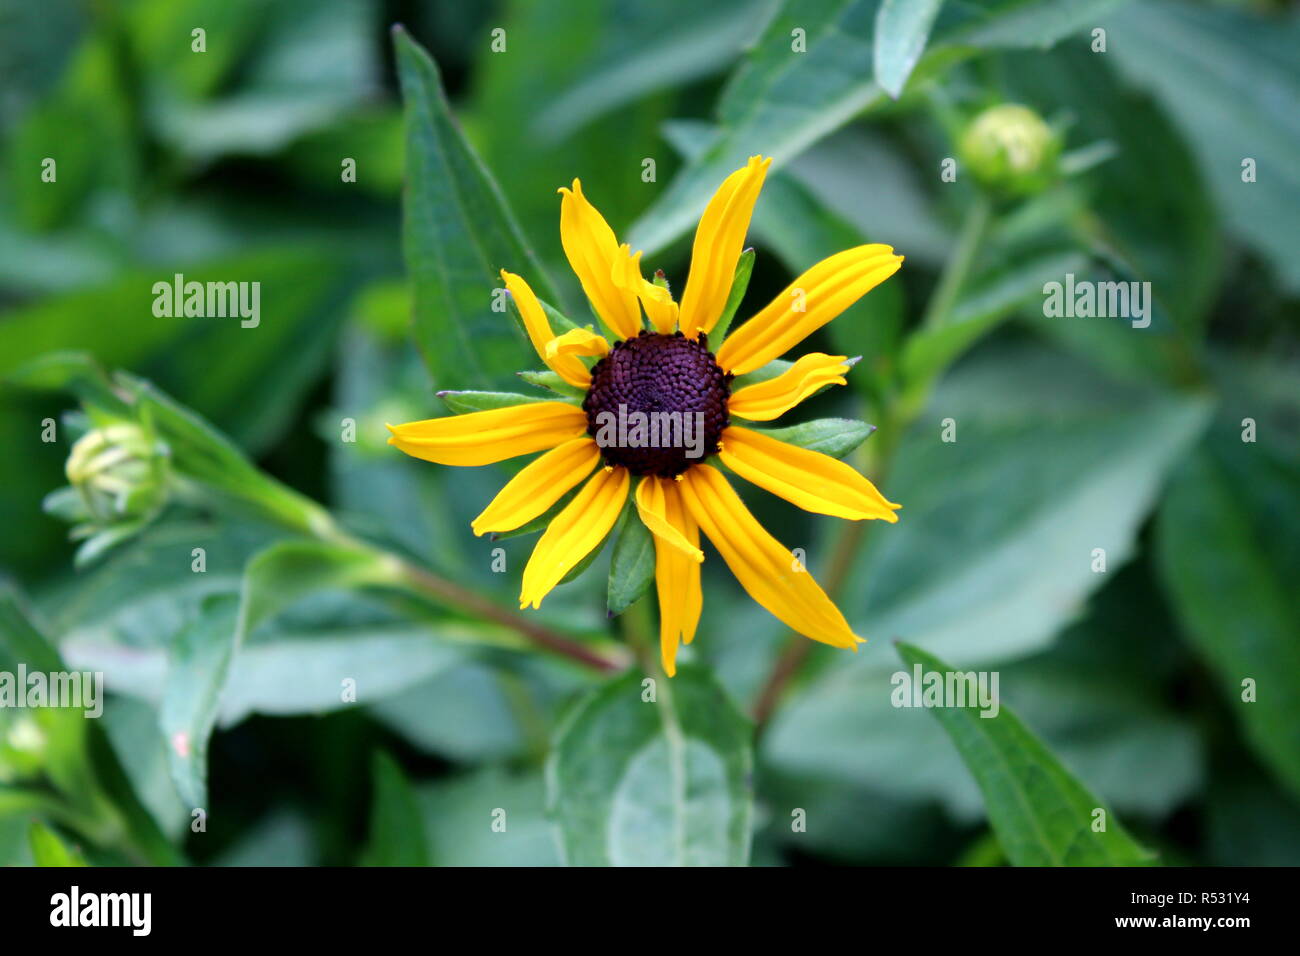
(957, 269)
(449, 592)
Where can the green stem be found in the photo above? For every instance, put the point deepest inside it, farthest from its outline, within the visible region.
(957, 269)
(426, 583)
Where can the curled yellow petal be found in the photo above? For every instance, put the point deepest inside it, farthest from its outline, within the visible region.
(593, 254)
(677, 574)
(539, 331)
(538, 486)
(719, 240)
(573, 533)
(652, 506)
(481, 438)
(577, 342)
(767, 570)
(808, 303)
(809, 479)
(656, 300)
(771, 399)
(659, 307)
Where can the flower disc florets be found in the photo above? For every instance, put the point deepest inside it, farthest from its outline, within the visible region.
(658, 403)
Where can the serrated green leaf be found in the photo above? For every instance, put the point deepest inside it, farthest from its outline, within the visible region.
(1042, 815)
(663, 782)
(836, 437)
(632, 566)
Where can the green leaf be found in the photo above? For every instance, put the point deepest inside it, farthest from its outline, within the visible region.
(1024, 494)
(466, 401)
(902, 27)
(396, 822)
(202, 654)
(836, 437)
(777, 103)
(458, 234)
(80, 763)
(489, 817)
(662, 782)
(928, 351)
(739, 283)
(48, 848)
(632, 566)
(644, 48)
(1227, 547)
(1099, 697)
(1162, 229)
(1042, 814)
(1241, 108)
(551, 381)
(780, 100)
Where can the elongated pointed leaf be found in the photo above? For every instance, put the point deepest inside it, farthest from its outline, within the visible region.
(902, 27)
(632, 566)
(836, 437)
(1042, 814)
(457, 235)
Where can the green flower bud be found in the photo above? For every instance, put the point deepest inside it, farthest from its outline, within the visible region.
(119, 473)
(1009, 149)
(22, 748)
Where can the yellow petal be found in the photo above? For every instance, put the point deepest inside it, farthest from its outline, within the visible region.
(809, 479)
(808, 303)
(652, 505)
(659, 307)
(572, 534)
(577, 342)
(593, 254)
(481, 438)
(539, 331)
(538, 486)
(677, 576)
(765, 568)
(773, 398)
(656, 300)
(719, 240)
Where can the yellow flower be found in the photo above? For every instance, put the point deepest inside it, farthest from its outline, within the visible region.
(673, 381)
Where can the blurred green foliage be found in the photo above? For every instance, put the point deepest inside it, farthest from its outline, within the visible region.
(1165, 687)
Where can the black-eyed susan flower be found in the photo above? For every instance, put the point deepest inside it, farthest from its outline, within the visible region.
(669, 373)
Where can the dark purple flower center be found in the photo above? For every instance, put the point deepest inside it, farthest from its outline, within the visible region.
(658, 403)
